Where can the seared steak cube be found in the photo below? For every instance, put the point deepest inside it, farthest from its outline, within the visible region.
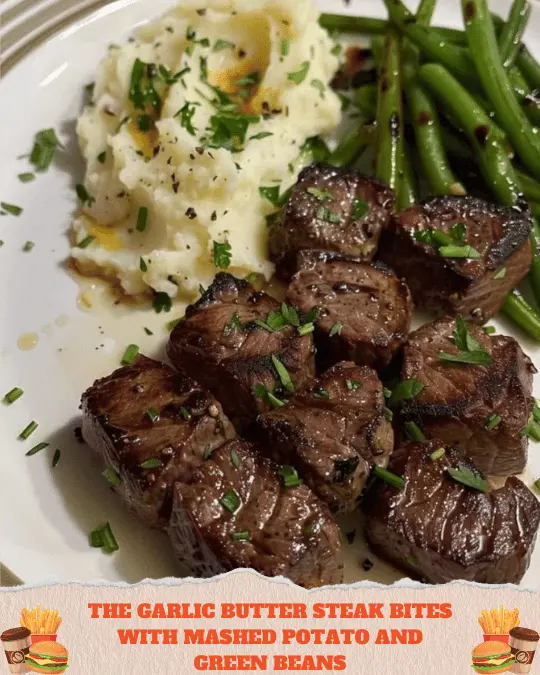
(332, 433)
(364, 309)
(459, 255)
(152, 427)
(330, 209)
(439, 529)
(238, 512)
(483, 406)
(230, 340)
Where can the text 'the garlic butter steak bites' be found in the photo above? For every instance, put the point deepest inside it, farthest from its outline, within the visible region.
(242, 510)
(446, 523)
(331, 209)
(152, 427)
(231, 341)
(364, 309)
(332, 433)
(459, 255)
(476, 392)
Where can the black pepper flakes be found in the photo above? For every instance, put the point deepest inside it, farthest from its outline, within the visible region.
(191, 213)
(175, 187)
(367, 565)
(213, 217)
(200, 150)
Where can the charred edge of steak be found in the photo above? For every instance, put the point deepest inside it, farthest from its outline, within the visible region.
(309, 257)
(223, 284)
(517, 222)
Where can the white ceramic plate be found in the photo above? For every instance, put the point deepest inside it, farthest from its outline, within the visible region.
(45, 513)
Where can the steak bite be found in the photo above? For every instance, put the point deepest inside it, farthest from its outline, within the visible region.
(439, 529)
(331, 209)
(332, 433)
(459, 255)
(152, 427)
(364, 309)
(232, 339)
(238, 512)
(480, 400)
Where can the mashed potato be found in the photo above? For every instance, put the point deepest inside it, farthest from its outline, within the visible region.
(176, 151)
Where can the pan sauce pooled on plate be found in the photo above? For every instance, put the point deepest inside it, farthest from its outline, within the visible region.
(187, 121)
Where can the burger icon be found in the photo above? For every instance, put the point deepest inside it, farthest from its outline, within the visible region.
(492, 657)
(47, 657)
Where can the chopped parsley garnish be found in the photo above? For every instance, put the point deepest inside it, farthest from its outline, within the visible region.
(28, 431)
(335, 330)
(321, 195)
(220, 45)
(153, 415)
(321, 394)
(360, 209)
(111, 476)
(169, 78)
(493, 421)
(142, 265)
(271, 194)
(389, 477)
(142, 219)
(459, 232)
(319, 86)
(152, 463)
(500, 274)
(45, 144)
(288, 316)
(471, 351)
(208, 452)
(414, 432)
(26, 177)
(131, 353)
(244, 535)
(101, 158)
(147, 331)
(185, 116)
(84, 196)
(144, 122)
(324, 213)
(404, 391)
(262, 392)
(289, 476)
(336, 50)
(142, 91)
(231, 501)
(222, 255)
(37, 448)
(233, 325)
(13, 395)
(300, 75)
(13, 209)
(56, 458)
(283, 374)
(353, 385)
(437, 454)
(85, 243)
(261, 135)
(285, 47)
(235, 459)
(466, 476)
(537, 485)
(104, 538)
(28, 246)
(191, 36)
(228, 130)
(162, 303)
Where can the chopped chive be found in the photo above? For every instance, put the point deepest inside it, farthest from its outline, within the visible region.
(437, 454)
(261, 135)
(324, 213)
(500, 274)
(219, 45)
(490, 330)
(285, 47)
(85, 243)
(289, 476)
(319, 86)
(185, 413)
(109, 543)
(130, 355)
(28, 246)
(389, 477)
(321, 195)
(235, 459)
(306, 329)
(208, 452)
(13, 395)
(321, 393)
(231, 501)
(102, 157)
(336, 50)
(11, 208)
(152, 463)
(452, 251)
(493, 421)
(171, 325)
(336, 329)
(153, 415)
(241, 536)
(142, 219)
(536, 411)
(96, 540)
(84, 196)
(537, 485)
(353, 385)
(28, 431)
(300, 75)
(147, 331)
(26, 177)
(56, 458)
(111, 476)
(142, 265)
(274, 401)
(466, 476)
(45, 144)
(262, 392)
(37, 448)
(283, 374)
(414, 432)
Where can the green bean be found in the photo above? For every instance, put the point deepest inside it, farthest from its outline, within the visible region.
(365, 98)
(494, 162)
(353, 24)
(390, 115)
(485, 54)
(407, 194)
(424, 12)
(512, 31)
(528, 186)
(377, 49)
(529, 66)
(522, 314)
(352, 145)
